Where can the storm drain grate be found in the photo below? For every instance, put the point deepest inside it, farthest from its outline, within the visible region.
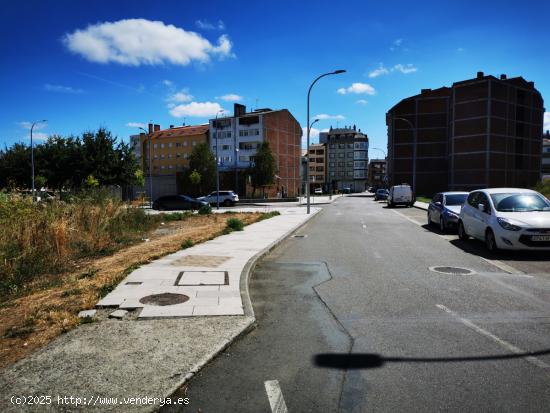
(164, 299)
(452, 270)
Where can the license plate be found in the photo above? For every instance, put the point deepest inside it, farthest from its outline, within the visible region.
(540, 238)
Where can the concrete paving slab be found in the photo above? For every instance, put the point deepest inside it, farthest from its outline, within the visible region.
(118, 314)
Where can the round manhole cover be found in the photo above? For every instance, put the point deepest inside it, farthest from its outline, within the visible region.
(452, 270)
(164, 299)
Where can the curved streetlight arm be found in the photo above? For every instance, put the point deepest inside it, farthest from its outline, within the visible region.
(381, 150)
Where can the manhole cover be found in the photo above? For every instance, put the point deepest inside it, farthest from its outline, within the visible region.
(452, 270)
(164, 299)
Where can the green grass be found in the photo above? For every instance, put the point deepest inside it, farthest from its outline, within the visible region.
(423, 199)
(177, 216)
(234, 224)
(267, 215)
(188, 243)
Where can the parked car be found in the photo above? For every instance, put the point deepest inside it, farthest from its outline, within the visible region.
(506, 218)
(171, 202)
(346, 190)
(401, 195)
(444, 209)
(227, 198)
(318, 191)
(381, 195)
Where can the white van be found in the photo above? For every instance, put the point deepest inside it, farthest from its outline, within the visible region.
(401, 195)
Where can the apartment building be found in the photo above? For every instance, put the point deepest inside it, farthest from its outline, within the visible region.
(238, 137)
(347, 158)
(481, 132)
(546, 155)
(168, 154)
(377, 176)
(317, 167)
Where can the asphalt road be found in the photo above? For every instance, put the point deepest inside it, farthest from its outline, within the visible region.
(400, 337)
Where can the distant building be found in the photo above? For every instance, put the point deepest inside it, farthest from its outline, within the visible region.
(239, 136)
(347, 158)
(377, 173)
(303, 171)
(170, 150)
(546, 155)
(479, 133)
(317, 167)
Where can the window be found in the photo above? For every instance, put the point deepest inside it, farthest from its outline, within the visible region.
(156, 156)
(341, 145)
(161, 145)
(332, 164)
(350, 155)
(350, 164)
(178, 144)
(350, 145)
(162, 167)
(248, 145)
(170, 167)
(226, 147)
(332, 146)
(332, 155)
(169, 156)
(341, 155)
(170, 144)
(178, 155)
(332, 174)
(194, 143)
(244, 158)
(162, 156)
(340, 164)
(155, 145)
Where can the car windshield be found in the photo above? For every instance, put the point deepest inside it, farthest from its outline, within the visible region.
(520, 202)
(455, 199)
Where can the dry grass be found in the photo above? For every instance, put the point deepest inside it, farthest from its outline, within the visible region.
(31, 321)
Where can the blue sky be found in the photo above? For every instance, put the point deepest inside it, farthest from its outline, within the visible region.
(83, 65)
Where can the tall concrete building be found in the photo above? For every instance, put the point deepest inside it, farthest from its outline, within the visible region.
(377, 175)
(479, 133)
(347, 158)
(239, 136)
(317, 167)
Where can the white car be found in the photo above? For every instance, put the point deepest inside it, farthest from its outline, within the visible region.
(227, 198)
(318, 191)
(506, 218)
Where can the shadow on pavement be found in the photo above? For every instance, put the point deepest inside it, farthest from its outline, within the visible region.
(373, 360)
(476, 247)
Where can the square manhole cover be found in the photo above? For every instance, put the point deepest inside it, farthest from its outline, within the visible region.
(211, 261)
(202, 278)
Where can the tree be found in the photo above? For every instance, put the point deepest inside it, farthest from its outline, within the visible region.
(15, 166)
(195, 178)
(202, 162)
(262, 173)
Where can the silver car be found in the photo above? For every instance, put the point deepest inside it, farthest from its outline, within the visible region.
(227, 198)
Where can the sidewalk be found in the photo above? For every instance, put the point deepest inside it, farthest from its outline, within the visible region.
(421, 205)
(154, 349)
(319, 200)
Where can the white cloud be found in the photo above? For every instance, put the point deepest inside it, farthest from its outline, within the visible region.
(546, 121)
(206, 25)
(39, 136)
(167, 82)
(134, 42)
(324, 116)
(362, 101)
(196, 109)
(357, 88)
(397, 42)
(406, 69)
(382, 70)
(180, 97)
(61, 89)
(378, 72)
(230, 97)
(136, 125)
(460, 49)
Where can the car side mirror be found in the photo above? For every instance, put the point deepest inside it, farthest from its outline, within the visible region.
(438, 203)
(481, 207)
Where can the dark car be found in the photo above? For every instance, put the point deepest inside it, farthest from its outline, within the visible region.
(445, 209)
(172, 202)
(381, 195)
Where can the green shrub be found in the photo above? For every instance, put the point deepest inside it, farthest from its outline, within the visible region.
(177, 216)
(267, 215)
(235, 224)
(205, 210)
(188, 243)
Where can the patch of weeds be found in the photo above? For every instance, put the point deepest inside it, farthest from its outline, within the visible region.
(267, 215)
(87, 320)
(19, 332)
(188, 243)
(235, 224)
(72, 291)
(177, 216)
(87, 274)
(205, 210)
(229, 212)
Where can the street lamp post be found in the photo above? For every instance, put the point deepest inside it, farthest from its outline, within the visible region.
(217, 161)
(150, 169)
(308, 183)
(32, 153)
(236, 168)
(414, 147)
(336, 72)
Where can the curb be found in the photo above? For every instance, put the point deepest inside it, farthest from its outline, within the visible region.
(247, 305)
(423, 208)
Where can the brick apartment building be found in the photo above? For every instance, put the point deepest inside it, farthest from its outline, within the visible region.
(479, 133)
(347, 158)
(170, 150)
(377, 173)
(317, 167)
(239, 136)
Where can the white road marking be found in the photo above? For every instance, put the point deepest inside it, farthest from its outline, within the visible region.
(503, 343)
(504, 267)
(414, 221)
(275, 396)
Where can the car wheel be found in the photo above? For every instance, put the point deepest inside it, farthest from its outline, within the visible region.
(490, 241)
(442, 225)
(227, 203)
(429, 219)
(462, 232)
